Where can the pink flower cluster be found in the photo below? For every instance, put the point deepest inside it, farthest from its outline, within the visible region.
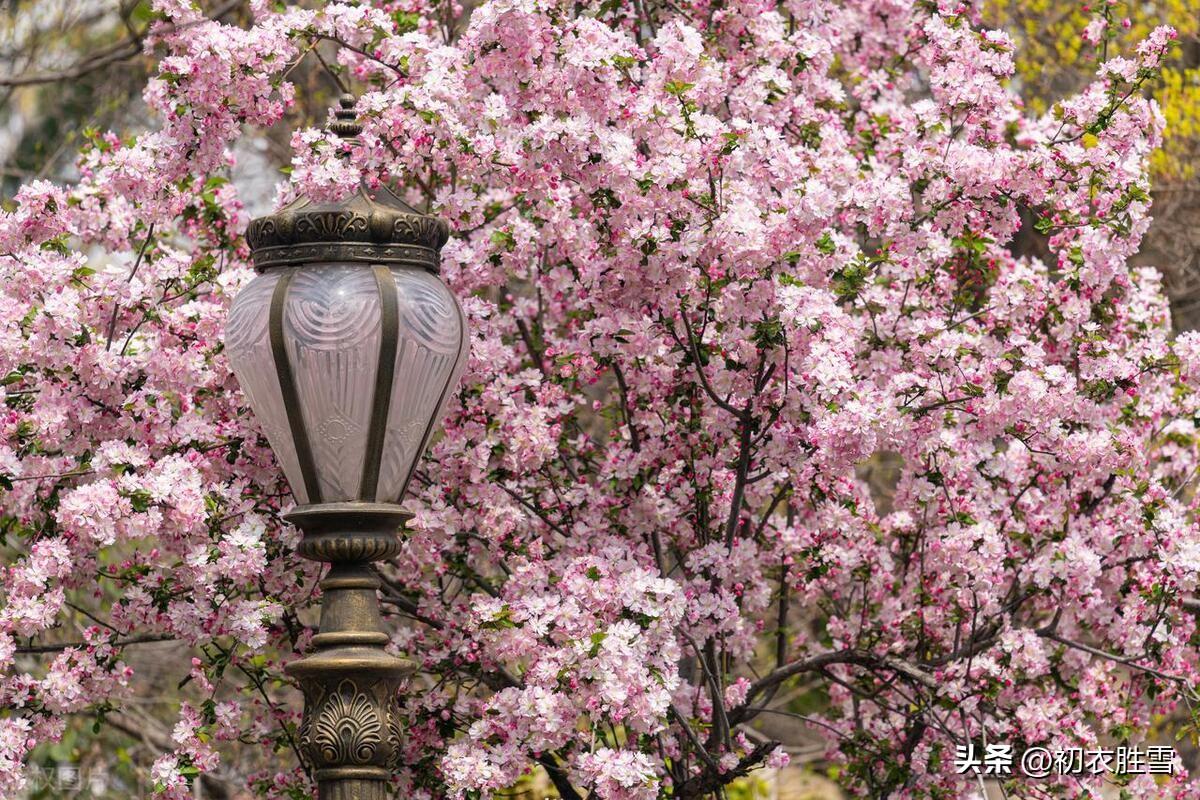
(724, 265)
(595, 638)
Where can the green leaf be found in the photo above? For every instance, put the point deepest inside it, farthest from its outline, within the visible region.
(406, 21)
(501, 621)
(140, 500)
(597, 639)
(504, 239)
(768, 333)
(850, 280)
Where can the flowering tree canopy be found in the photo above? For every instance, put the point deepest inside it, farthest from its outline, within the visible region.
(717, 258)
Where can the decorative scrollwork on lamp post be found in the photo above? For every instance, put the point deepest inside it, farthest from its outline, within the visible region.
(348, 346)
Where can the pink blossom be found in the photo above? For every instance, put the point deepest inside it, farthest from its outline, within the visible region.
(759, 399)
(617, 774)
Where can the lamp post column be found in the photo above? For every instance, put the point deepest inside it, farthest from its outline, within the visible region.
(348, 346)
(350, 734)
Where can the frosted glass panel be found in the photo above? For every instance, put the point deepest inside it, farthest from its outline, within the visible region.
(331, 329)
(248, 346)
(332, 322)
(430, 357)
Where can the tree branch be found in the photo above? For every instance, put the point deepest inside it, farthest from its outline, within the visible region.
(123, 50)
(709, 780)
(58, 648)
(820, 662)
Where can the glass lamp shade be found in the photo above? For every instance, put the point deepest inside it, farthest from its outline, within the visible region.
(348, 367)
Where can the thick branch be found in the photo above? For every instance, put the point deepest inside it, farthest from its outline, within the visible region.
(122, 51)
(559, 778)
(820, 662)
(709, 780)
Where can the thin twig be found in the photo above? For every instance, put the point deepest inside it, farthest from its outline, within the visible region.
(112, 323)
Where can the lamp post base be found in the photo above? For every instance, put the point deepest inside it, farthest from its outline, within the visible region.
(350, 734)
(353, 789)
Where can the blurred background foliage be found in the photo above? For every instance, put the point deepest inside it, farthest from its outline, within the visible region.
(69, 67)
(1054, 61)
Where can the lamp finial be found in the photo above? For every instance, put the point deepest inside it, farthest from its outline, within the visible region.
(345, 122)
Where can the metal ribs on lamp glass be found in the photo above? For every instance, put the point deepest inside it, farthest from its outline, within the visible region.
(348, 346)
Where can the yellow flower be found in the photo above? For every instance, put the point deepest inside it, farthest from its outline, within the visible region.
(1054, 61)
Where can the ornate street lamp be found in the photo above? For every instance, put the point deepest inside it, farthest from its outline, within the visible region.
(348, 345)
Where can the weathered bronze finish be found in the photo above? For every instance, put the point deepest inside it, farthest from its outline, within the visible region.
(372, 226)
(350, 736)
